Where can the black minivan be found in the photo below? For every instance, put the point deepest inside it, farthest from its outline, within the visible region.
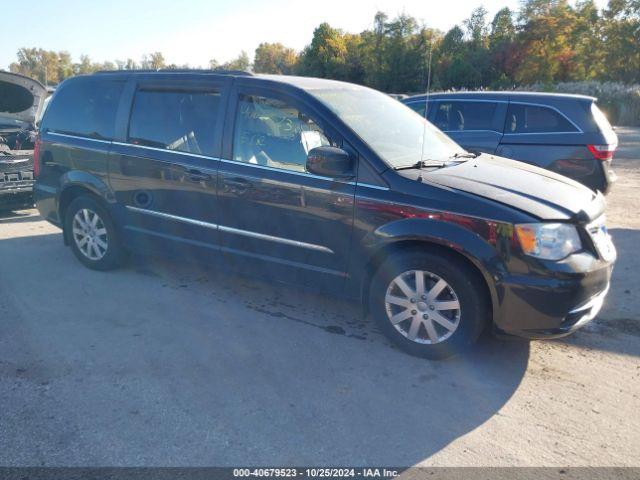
(565, 133)
(325, 184)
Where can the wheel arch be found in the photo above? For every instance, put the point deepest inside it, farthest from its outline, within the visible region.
(75, 184)
(475, 255)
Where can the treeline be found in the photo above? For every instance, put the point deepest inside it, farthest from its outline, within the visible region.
(51, 67)
(545, 42)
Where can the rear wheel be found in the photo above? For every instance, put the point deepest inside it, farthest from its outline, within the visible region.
(92, 234)
(431, 305)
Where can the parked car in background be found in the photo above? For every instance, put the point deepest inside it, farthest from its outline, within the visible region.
(21, 102)
(567, 134)
(325, 184)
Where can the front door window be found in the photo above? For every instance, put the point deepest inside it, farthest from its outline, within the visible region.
(272, 133)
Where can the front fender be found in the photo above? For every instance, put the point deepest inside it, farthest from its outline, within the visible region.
(484, 244)
(436, 231)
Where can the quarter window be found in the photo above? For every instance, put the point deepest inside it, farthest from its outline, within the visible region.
(453, 116)
(270, 132)
(523, 118)
(183, 121)
(85, 107)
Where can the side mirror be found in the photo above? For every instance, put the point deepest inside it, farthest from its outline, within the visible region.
(330, 162)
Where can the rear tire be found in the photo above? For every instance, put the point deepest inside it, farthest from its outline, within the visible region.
(92, 234)
(430, 305)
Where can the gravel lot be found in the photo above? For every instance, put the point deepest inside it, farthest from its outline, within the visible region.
(166, 364)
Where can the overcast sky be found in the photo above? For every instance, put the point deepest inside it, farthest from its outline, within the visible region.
(195, 31)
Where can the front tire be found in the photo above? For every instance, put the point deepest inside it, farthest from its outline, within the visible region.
(430, 305)
(92, 234)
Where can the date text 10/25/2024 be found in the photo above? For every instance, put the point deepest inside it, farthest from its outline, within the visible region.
(316, 472)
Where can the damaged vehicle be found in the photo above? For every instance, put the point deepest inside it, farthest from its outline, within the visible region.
(21, 102)
(325, 184)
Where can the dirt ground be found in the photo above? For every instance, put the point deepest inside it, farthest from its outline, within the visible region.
(166, 364)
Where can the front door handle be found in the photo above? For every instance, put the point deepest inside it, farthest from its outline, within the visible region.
(237, 182)
(237, 185)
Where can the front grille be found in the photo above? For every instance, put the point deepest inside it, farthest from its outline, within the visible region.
(17, 163)
(16, 179)
(16, 171)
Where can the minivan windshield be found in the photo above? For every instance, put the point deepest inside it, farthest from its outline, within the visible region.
(396, 133)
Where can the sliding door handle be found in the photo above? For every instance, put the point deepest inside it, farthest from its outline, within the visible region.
(198, 176)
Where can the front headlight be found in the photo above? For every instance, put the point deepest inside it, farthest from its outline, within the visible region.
(548, 241)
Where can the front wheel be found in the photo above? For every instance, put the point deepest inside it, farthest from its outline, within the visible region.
(431, 305)
(92, 234)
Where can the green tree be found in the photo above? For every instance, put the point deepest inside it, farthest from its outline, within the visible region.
(587, 40)
(274, 58)
(621, 31)
(377, 58)
(402, 58)
(85, 66)
(502, 28)
(131, 64)
(153, 61)
(476, 26)
(47, 66)
(241, 62)
(326, 55)
(502, 49)
(454, 67)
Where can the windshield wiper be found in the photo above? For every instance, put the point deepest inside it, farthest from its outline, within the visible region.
(465, 155)
(422, 164)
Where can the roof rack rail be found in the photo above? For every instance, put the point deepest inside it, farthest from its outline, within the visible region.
(179, 70)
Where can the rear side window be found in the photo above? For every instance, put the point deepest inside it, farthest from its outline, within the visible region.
(417, 107)
(522, 118)
(451, 116)
(184, 121)
(86, 108)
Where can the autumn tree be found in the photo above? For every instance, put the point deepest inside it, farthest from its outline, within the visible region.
(326, 55)
(544, 42)
(47, 66)
(274, 58)
(241, 62)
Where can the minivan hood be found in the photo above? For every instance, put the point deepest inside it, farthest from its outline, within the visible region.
(531, 189)
(21, 98)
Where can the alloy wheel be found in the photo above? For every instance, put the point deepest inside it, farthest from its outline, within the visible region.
(90, 234)
(422, 307)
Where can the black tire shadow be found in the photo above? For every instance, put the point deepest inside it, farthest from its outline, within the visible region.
(400, 410)
(19, 216)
